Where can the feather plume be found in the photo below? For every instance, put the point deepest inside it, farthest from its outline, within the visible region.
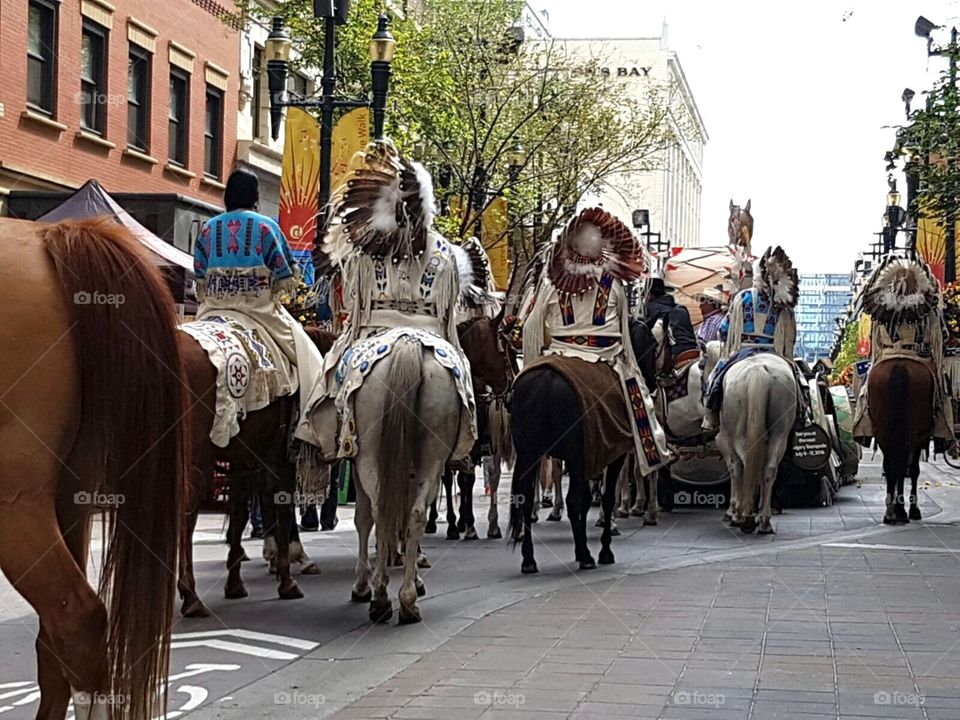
(595, 242)
(778, 278)
(384, 207)
(901, 289)
(476, 278)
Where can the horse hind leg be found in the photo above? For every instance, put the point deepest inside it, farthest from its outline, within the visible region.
(623, 491)
(363, 520)
(465, 481)
(239, 514)
(914, 477)
(493, 515)
(453, 527)
(613, 473)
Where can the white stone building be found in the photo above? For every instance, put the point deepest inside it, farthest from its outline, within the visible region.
(672, 192)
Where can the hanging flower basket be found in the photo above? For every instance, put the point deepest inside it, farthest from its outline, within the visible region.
(951, 313)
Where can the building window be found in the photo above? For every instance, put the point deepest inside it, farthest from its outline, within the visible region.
(178, 117)
(213, 133)
(257, 99)
(42, 55)
(93, 76)
(138, 98)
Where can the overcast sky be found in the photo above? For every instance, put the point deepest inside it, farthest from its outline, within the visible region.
(795, 98)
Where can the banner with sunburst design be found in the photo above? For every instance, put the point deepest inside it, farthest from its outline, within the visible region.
(299, 184)
(932, 246)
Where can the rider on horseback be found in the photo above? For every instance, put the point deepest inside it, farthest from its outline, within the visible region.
(660, 303)
(580, 311)
(760, 319)
(243, 264)
(903, 300)
(400, 278)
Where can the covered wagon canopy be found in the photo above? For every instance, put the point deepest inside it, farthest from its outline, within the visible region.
(692, 271)
(92, 200)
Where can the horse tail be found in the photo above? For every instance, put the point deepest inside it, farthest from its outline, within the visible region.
(898, 386)
(398, 443)
(132, 403)
(758, 397)
(501, 433)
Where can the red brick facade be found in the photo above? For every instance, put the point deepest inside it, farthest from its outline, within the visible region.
(37, 155)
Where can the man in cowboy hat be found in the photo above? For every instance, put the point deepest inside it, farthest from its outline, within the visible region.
(712, 302)
(660, 303)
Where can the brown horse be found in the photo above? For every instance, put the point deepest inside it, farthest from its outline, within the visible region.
(259, 463)
(901, 409)
(740, 226)
(90, 415)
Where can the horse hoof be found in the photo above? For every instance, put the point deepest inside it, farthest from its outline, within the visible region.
(430, 528)
(453, 533)
(408, 616)
(621, 514)
(554, 518)
(606, 557)
(194, 609)
(636, 512)
(535, 518)
(915, 513)
(599, 522)
(648, 521)
(310, 569)
(272, 569)
(748, 525)
(470, 534)
(588, 564)
(529, 568)
(381, 612)
(421, 588)
(889, 520)
(290, 591)
(493, 533)
(361, 597)
(766, 529)
(245, 557)
(397, 560)
(235, 592)
(614, 531)
(422, 562)
(546, 502)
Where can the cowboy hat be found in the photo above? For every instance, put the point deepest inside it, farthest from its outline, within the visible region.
(713, 295)
(658, 285)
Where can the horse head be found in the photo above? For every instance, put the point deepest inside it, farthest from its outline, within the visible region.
(740, 226)
(490, 353)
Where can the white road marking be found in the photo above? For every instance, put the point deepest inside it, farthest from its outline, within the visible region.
(249, 635)
(901, 548)
(236, 648)
(25, 687)
(197, 696)
(21, 683)
(200, 668)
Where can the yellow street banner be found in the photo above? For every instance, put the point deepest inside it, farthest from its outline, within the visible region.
(300, 181)
(864, 332)
(350, 135)
(496, 241)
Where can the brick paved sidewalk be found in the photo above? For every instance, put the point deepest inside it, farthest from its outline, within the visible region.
(856, 631)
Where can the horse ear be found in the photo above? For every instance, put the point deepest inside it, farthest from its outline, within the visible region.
(731, 206)
(747, 206)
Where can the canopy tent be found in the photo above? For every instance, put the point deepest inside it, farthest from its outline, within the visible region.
(92, 200)
(692, 270)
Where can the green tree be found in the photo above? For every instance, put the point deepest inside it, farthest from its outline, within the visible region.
(465, 95)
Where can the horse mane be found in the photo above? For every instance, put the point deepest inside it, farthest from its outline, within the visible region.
(323, 339)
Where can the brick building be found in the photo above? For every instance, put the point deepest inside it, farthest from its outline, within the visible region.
(143, 96)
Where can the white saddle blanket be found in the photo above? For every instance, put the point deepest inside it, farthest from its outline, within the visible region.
(251, 370)
(359, 359)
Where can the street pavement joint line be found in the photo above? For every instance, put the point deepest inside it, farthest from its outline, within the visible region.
(832, 640)
(763, 651)
(901, 548)
(249, 635)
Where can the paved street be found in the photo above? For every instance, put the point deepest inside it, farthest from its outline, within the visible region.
(835, 616)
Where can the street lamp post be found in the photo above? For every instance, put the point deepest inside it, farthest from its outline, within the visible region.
(893, 218)
(277, 51)
(924, 28)
(516, 160)
(641, 219)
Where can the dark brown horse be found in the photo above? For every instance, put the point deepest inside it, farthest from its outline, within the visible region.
(91, 408)
(901, 394)
(740, 225)
(259, 465)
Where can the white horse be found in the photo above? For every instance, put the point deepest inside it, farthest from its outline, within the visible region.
(684, 414)
(759, 408)
(408, 415)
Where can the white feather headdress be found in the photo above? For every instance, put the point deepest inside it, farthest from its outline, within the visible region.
(593, 243)
(901, 289)
(778, 278)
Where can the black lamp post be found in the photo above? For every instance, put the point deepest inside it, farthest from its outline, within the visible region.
(516, 161)
(924, 28)
(278, 47)
(893, 218)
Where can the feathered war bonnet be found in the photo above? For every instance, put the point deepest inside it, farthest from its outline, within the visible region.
(901, 290)
(476, 277)
(384, 207)
(778, 278)
(593, 243)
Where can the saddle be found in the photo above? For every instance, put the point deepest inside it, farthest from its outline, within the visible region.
(250, 372)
